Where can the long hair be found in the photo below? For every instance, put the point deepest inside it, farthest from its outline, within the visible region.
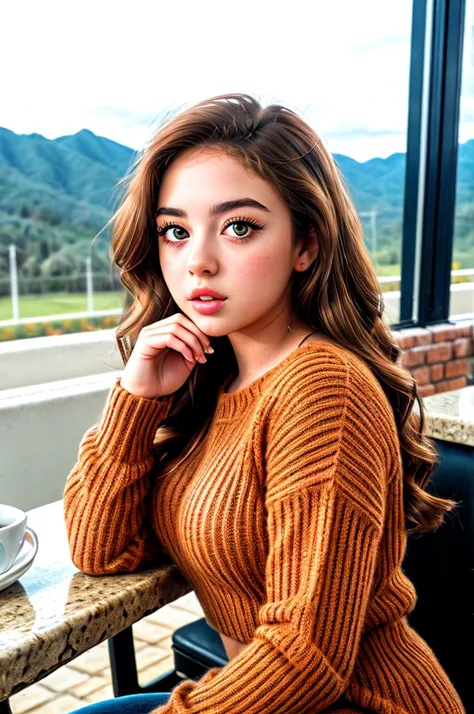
(339, 295)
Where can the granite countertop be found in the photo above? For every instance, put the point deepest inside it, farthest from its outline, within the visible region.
(450, 415)
(54, 612)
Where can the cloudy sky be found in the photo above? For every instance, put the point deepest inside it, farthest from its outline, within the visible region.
(117, 68)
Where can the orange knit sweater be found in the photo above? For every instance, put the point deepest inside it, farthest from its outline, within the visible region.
(289, 524)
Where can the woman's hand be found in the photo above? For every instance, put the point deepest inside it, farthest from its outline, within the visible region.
(164, 356)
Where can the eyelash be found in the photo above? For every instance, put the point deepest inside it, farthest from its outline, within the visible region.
(245, 221)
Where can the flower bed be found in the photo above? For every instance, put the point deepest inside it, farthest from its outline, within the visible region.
(57, 327)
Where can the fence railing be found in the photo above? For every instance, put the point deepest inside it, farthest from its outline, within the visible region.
(63, 316)
(90, 281)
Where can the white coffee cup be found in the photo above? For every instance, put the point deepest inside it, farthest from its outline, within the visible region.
(12, 534)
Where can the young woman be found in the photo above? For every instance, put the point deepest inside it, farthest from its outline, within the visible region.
(283, 470)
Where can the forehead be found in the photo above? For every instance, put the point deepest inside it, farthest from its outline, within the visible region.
(209, 175)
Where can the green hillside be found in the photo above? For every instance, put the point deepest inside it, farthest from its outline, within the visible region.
(56, 195)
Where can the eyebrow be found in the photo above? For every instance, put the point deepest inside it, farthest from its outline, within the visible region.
(218, 208)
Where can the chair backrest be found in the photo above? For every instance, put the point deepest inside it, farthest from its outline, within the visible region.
(441, 565)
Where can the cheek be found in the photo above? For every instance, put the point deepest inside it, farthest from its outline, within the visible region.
(170, 266)
(259, 267)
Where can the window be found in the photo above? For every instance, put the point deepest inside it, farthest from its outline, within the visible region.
(348, 75)
(462, 274)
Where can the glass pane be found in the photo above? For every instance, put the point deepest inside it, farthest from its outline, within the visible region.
(74, 124)
(462, 273)
(366, 79)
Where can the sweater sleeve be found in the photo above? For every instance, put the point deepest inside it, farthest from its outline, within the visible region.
(324, 502)
(105, 496)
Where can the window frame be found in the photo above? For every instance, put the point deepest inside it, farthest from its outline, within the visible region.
(437, 41)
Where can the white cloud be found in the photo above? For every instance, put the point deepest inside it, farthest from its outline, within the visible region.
(114, 67)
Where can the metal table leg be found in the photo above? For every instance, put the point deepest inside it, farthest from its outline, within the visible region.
(123, 667)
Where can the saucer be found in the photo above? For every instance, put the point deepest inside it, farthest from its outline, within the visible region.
(22, 561)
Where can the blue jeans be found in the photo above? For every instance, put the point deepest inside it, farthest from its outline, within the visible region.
(129, 704)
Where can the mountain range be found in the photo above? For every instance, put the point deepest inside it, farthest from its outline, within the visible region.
(60, 192)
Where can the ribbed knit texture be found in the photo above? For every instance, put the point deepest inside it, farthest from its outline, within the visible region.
(289, 524)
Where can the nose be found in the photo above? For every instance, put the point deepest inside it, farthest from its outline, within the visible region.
(201, 257)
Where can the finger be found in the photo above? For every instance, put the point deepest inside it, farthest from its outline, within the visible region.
(184, 334)
(178, 318)
(190, 325)
(158, 341)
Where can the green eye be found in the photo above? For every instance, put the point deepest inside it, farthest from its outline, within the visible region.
(243, 224)
(166, 227)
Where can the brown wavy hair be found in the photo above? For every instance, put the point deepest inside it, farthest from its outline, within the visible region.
(339, 295)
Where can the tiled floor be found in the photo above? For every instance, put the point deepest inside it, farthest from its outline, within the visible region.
(87, 679)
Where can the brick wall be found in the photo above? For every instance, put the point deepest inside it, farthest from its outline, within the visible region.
(440, 358)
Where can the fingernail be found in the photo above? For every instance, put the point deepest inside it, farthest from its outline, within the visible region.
(210, 350)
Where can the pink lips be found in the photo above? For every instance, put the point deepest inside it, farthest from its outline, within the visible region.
(207, 307)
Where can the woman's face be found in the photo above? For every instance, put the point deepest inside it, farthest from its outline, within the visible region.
(250, 265)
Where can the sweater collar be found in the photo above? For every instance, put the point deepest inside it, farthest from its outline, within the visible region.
(234, 405)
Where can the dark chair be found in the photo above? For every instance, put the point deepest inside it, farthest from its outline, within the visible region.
(439, 564)
(196, 648)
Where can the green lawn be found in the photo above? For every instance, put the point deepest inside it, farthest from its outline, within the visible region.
(58, 303)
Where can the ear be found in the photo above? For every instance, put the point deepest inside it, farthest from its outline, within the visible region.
(306, 250)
